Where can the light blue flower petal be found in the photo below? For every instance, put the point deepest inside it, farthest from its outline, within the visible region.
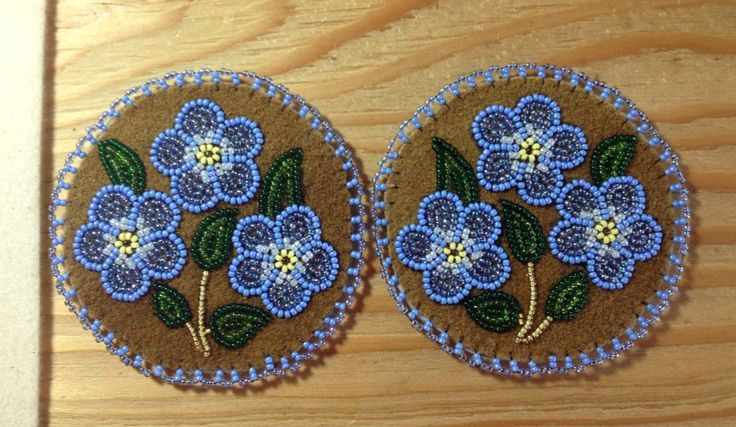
(419, 248)
(285, 297)
(254, 233)
(161, 255)
(317, 267)
(155, 211)
(496, 170)
(297, 224)
(242, 135)
(537, 113)
(609, 271)
(123, 280)
(194, 190)
(642, 236)
(563, 147)
(236, 183)
(496, 124)
(113, 204)
(252, 273)
(540, 188)
(94, 245)
(580, 198)
(169, 152)
(445, 284)
(481, 224)
(200, 117)
(573, 240)
(440, 212)
(487, 267)
(624, 196)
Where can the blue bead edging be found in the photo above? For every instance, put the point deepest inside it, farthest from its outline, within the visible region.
(483, 79)
(172, 375)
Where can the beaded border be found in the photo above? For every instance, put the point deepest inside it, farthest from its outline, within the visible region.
(276, 366)
(554, 363)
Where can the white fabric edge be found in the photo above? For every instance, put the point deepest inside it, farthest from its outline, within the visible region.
(22, 28)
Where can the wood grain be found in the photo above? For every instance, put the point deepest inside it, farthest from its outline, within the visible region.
(367, 65)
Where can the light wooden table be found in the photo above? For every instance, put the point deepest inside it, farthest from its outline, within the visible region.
(367, 65)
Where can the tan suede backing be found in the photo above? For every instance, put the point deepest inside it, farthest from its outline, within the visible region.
(608, 313)
(324, 190)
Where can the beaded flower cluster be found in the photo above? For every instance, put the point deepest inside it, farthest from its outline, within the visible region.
(605, 228)
(130, 240)
(454, 247)
(527, 147)
(209, 157)
(279, 254)
(283, 261)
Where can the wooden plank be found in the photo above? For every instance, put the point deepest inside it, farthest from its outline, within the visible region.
(367, 65)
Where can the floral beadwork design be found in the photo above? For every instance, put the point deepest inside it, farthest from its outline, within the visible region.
(454, 247)
(208, 157)
(527, 147)
(284, 261)
(130, 240)
(605, 228)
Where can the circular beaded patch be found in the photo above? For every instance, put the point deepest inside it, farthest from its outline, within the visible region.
(209, 229)
(530, 220)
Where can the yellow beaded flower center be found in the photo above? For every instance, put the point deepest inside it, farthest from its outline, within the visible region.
(455, 252)
(607, 231)
(127, 242)
(208, 154)
(286, 260)
(530, 150)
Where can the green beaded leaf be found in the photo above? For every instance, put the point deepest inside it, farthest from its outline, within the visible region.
(234, 325)
(568, 297)
(282, 186)
(212, 242)
(170, 306)
(454, 173)
(523, 232)
(122, 165)
(612, 157)
(495, 311)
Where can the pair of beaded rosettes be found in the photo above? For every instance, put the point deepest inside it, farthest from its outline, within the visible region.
(225, 246)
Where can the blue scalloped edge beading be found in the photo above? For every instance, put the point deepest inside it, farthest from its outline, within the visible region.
(274, 366)
(554, 363)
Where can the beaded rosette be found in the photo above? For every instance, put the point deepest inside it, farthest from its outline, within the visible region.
(529, 220)
(209, 229)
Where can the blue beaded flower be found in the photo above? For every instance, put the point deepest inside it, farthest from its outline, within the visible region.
(527, 148)
(284, 261)
(453, 246)
(208, 157)
(606, 229)
(131, 240)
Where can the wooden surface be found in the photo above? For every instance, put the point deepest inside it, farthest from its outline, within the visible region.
(367, 65)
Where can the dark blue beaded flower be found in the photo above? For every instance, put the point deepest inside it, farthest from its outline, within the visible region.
(454, 246)
(606, 229)
(208, 157)
(131, 240)
(527, 148)
(284, 261)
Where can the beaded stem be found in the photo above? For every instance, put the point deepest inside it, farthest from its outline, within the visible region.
(200, 313)
(532, 303)
(537, 332)
(195, 338)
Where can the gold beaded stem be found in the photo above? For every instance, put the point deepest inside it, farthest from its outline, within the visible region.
(200, 313)
(537, 332)
(532, 303)
(195, 338)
